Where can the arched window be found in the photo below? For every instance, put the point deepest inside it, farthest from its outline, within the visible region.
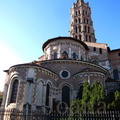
(55, 55)
(83, 12)
(75, 29)
(65, 55)
(85, 28)
(84, 20)
(81, 57)
(80, 92)
(89, 38)
(47, 94)
(88, 29)
(76, 36)
(65, 96)
(87, 21)
(74, 56)
(86, 38)
(76, 12)
(100, 50)
(79, 12)
(80, 37)
(76, 21)
(14, 91)
(115, 74)
(94, 48)
(79, 20)
(79, 28)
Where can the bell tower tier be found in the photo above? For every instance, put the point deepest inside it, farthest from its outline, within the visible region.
(81, 25)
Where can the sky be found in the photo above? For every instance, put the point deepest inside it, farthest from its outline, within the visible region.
(26, 24)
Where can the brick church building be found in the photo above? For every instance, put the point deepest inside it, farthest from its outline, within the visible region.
(67, 62)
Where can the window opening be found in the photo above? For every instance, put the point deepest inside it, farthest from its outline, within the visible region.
(76, 12)
(87, 21)
(88, 29)
(55, 55)
(79, 28)
(65, 55)
(86, 38)
(74, 56)
(14, 91)
(76, 29)
(47, 94)
(116, 74)
(79, 20)
(76, 36)
(100, 50)
(80, 92)
(76, 21)
(85, 28)
(65, 96)
(80, 37)
(89, 38)
(94, 48)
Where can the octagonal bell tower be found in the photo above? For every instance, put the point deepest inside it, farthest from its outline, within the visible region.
(81, 25)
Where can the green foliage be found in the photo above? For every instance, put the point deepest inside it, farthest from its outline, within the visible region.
(92, 98)
(80, 91)
(115, 104)
(80, 105)
(97, 95)
(86, 91)
(76, 105)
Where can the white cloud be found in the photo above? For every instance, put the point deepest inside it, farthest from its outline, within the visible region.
(7, 58)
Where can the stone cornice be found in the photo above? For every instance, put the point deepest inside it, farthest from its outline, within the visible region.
(66, 38)
(83, 63)
(37, 68)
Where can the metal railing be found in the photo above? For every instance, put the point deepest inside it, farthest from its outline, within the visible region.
(54, 115)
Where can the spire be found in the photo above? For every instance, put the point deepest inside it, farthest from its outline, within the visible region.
(81, 26)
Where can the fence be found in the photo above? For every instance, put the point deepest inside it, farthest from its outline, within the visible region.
(38, 115)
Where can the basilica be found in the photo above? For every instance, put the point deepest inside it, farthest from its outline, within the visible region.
(66, 64)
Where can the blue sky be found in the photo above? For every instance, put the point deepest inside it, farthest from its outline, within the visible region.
(26, 24)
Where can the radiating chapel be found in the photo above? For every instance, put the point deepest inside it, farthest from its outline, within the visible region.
(66, 64)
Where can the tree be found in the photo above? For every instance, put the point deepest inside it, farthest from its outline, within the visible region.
(93, 98)
(80, 104)
(97, 98)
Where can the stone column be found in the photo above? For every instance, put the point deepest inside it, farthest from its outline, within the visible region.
(29, 86)
(28, 93)
(4, 96)
(49, 52)
(89, 78)
(59, 51)
(79, 54)
(69, 50)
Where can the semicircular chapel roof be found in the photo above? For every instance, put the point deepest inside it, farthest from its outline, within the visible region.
(59, 38)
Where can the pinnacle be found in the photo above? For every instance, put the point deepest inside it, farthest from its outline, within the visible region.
(80, 1)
